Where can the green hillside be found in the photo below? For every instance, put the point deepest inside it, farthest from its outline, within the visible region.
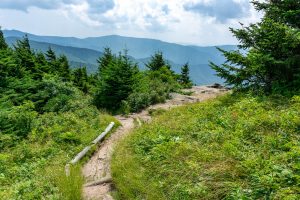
(234, 147)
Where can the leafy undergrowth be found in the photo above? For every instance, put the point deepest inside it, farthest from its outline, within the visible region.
(233, 147)
(32, 164)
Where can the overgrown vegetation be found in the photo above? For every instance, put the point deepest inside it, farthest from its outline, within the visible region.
(234, 147)
(45, 120)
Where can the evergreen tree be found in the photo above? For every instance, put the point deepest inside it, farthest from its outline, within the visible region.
(64, 71)
(156, 62)
(286, 12)
(80, 79)
(185, 76)
(3, 44)
(26, 56)
(8, 67)
(116, 83)
(53, 62)
(273, 58)
(105, 60)
(41, 62)
(50, 55)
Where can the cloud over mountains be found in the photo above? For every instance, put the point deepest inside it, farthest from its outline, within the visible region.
(150, 18)
(221, 10)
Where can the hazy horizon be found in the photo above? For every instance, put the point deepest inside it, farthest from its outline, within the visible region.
(118, 36)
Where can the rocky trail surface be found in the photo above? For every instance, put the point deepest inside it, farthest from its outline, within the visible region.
(97, 170)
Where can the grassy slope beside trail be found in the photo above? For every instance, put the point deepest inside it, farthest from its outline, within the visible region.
(33, 168)
(233, 147)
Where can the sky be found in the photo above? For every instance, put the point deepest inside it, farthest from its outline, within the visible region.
(197, 22)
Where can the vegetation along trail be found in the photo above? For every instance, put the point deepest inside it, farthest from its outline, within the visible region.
(97, 170)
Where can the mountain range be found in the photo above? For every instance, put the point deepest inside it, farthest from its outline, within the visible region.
(86, 51)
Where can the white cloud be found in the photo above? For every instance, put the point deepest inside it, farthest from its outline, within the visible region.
(169, 20)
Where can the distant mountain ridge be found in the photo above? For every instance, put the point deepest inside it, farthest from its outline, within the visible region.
(87, 50)
(77, 56)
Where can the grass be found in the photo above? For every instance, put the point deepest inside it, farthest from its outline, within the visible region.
(33, 168)
(233, 147)
(70, 187)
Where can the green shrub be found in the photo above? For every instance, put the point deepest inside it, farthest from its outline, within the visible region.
(58, 103)
(152, 87)
(17, 120)
(69, 137)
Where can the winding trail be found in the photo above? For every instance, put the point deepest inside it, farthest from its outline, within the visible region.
(98, 167)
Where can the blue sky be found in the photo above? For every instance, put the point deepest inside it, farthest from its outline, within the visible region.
(199, 22)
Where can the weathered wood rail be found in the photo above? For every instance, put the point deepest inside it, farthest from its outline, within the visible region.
(81, 154)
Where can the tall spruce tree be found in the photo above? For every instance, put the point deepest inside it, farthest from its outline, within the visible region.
(50, 55)
(185, 76)
(41, 62)
(272, 61)
(115, 83)
(26, 57)
(64, 71)
(53, 62)
(284, 11)
(157, 61)
(105, 60)
(80, 79)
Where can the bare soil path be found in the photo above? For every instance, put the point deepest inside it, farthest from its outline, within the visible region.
(98, 167)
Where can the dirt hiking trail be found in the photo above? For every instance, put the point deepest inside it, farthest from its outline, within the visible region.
(97, 170)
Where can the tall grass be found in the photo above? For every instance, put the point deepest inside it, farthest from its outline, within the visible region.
(70, 187)
(233, 147)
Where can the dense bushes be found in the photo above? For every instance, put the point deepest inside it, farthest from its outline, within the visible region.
(123, 88)
(153, 87)
(17, 120)
(233, 147)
